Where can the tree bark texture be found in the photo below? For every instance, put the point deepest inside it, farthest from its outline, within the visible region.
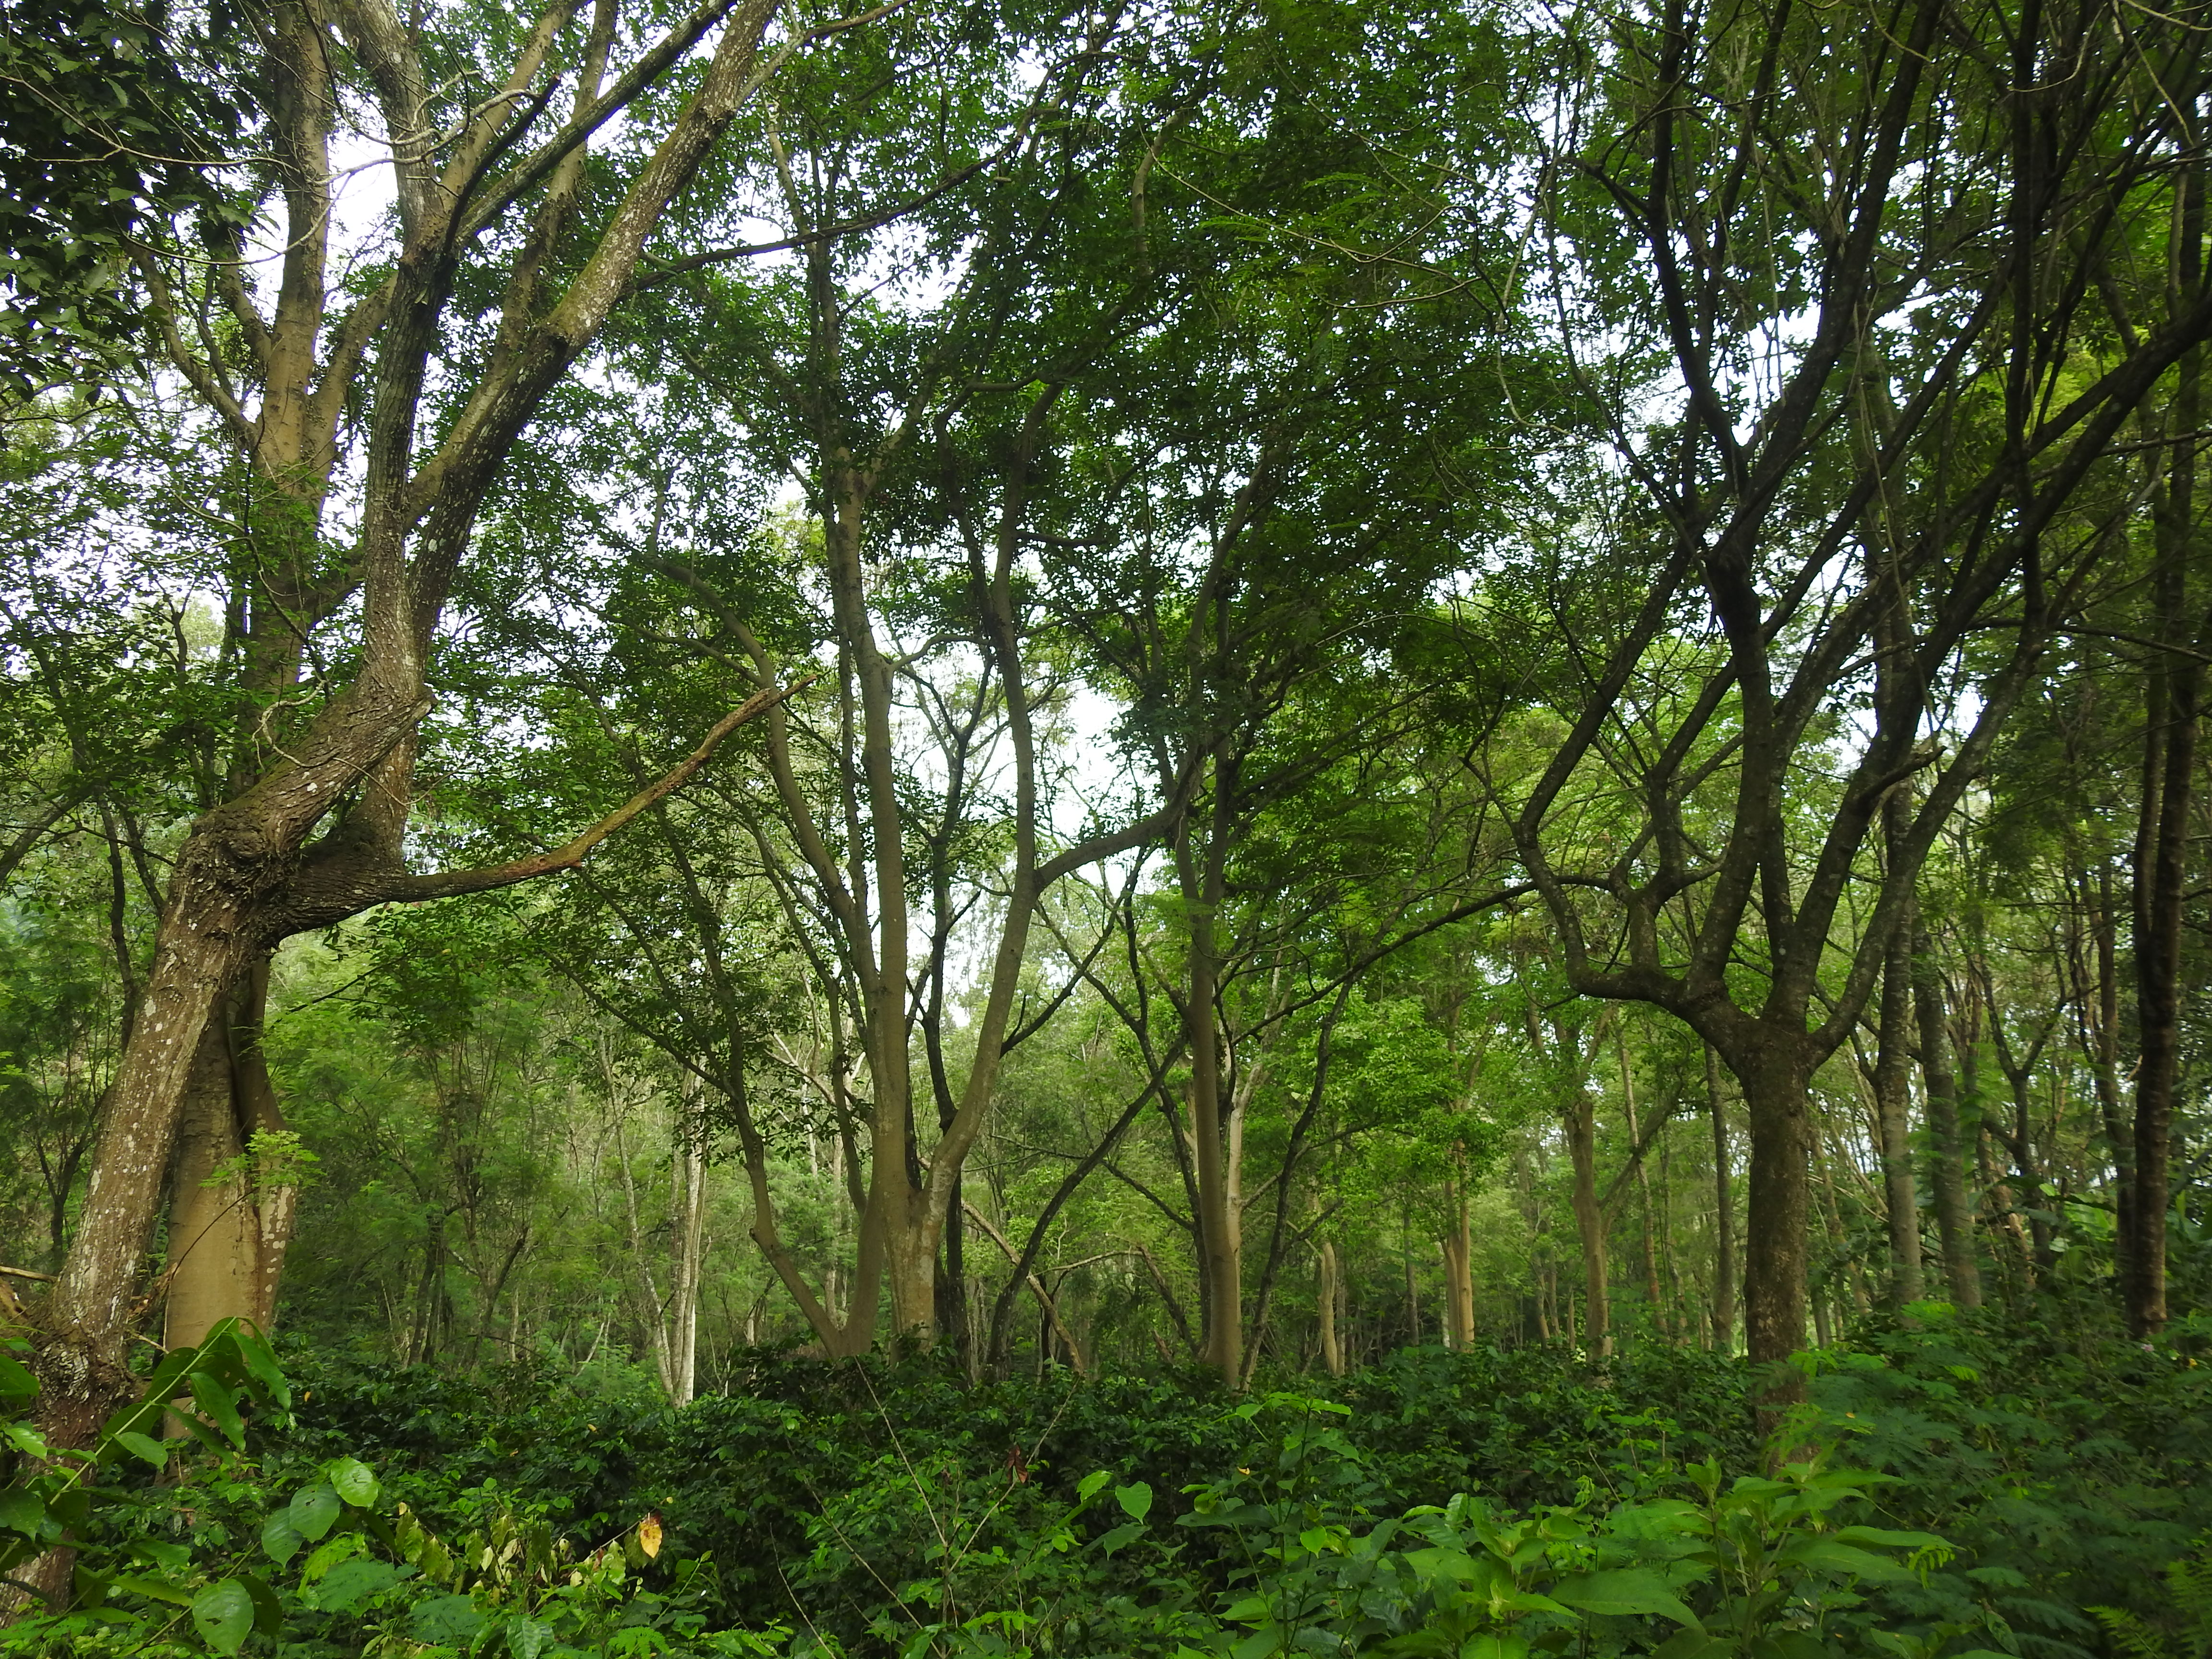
(1775, 1076)
(1892, 1094)
(1724, 1210)
(1581, 1119)
(1329, 1289)
(1946, 1151)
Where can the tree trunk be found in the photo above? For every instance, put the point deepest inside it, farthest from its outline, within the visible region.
(1219, 1257)
(2104, 1069)
(1652, 1297)
(213, 1242)
(688, 1194)
(1590, 1218)
(1326, 1289)
(2173, 695)
(206, 936)
(2161, 872)
(1893, 1095)
(1457, 1246)
(1724, 1211)
(227, 1242)
(1954, 1220)
(1775, 1074)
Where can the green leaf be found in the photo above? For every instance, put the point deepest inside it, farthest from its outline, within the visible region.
(22, 1512)
(343, 1547)
(1135, 1499)
(212, 1398)
(143, 1447)
(170, 1372)
(1115, 1539)
(350, 1584)
(527, 1638)
(223, 1614)
(268, 1611)
(444, 1619)
(354, 1481)
(280, 1539)
(312, 1511)
(15, 1381)
(155, 1589)
(1826, 1555)
(1086, 1488)
(165, 1555)
(261, 1360)
(1629, 1591)
(1888, 1539)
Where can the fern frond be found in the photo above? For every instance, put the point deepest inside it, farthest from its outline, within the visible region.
(2133, 1637)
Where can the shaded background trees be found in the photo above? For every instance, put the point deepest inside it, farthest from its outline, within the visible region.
(1450, 682)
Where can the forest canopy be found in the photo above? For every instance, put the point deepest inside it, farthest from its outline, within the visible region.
(1194, 715)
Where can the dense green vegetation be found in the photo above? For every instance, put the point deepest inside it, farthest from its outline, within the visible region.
(991, 827)
(1954, 1483)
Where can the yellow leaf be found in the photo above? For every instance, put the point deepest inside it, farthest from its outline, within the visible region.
(649, 1535)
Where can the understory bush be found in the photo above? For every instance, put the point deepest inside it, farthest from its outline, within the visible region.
(1959, 1484)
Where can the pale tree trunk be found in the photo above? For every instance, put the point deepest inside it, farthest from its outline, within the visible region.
(1202, 871)
(1327, 1288)
(1651, 1292)
(1724, 1210)
(231, 1211)
(1458, 1271)
(688, 1219)
(652, 1310)
(906, 1209)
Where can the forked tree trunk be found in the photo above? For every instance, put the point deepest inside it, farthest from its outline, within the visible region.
(231, 1212)
(214, 1236)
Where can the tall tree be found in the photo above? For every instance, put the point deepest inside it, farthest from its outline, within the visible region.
(1794, 304)
(496, 199)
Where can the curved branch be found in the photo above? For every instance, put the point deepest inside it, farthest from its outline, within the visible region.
(447, 884)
